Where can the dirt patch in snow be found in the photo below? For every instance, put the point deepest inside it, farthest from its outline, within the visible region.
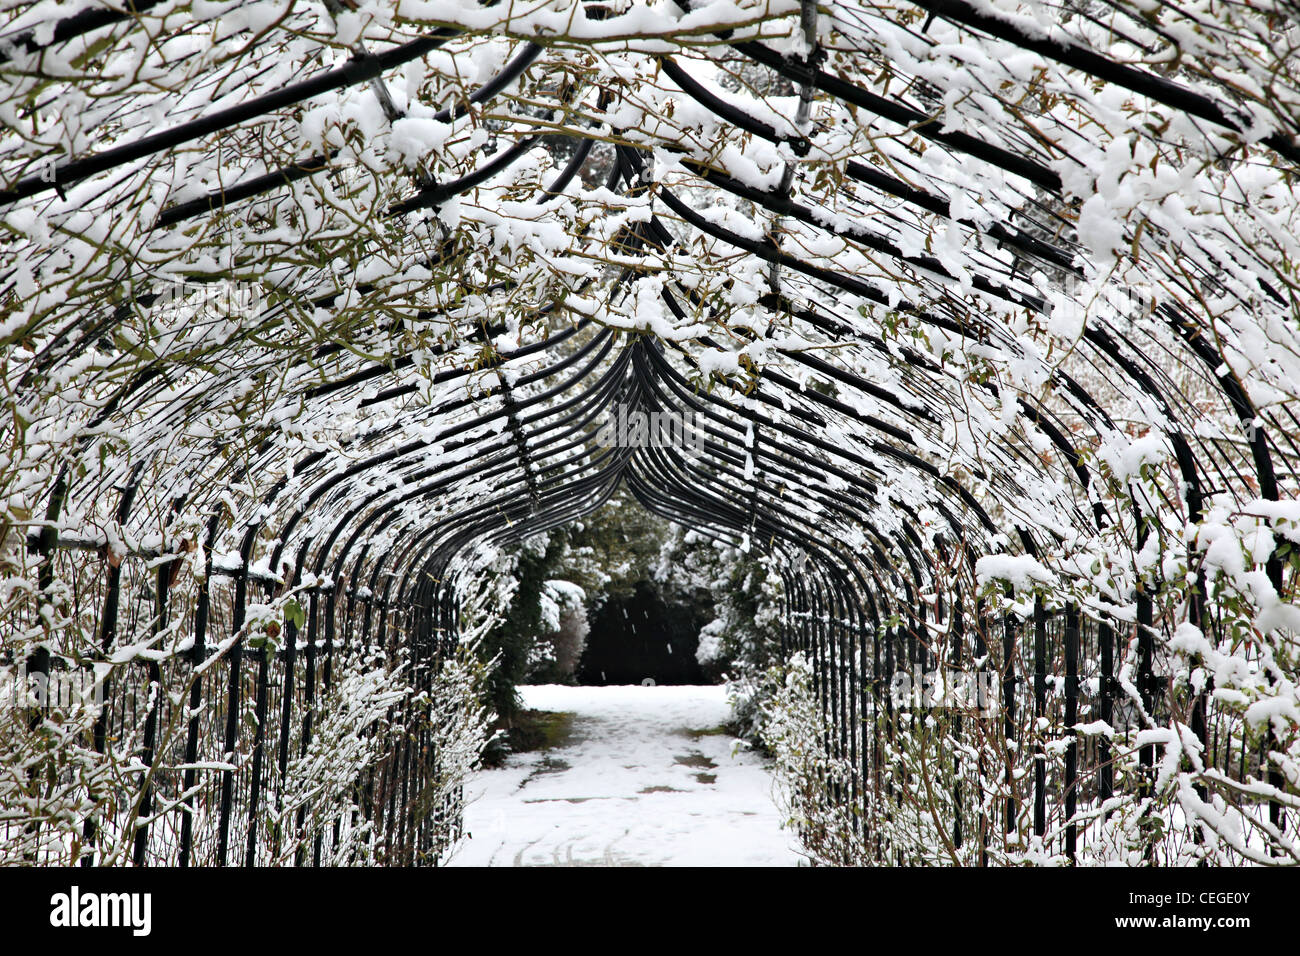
(696, 759)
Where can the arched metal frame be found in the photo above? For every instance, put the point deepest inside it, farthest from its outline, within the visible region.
(385, 523)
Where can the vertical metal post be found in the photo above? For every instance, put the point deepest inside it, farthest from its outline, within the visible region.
(1040, 710)
(956, 628)
(259, 747)
(1106, 774)
(1145, 679)
(38, 662)
(232, 711)
(197, 655)
(1009, 715)
(309, 708)
(327, 677)
(1071, 718)
(1196, 616)
(1146, 691)
(107, 635)
(141, 848)
(286, 718)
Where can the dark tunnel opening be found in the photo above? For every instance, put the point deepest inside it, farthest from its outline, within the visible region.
(641, 637)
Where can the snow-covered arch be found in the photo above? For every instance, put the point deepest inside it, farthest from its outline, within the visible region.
(987, 317)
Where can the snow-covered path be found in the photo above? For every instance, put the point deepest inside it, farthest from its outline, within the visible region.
(636, 784)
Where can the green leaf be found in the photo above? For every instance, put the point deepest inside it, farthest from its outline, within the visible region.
(294, 614)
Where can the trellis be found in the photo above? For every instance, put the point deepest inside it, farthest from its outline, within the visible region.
(471, 406)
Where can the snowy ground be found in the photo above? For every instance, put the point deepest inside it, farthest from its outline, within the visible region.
(631, 787)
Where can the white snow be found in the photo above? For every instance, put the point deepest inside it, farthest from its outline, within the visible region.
(1022, 571)
(631, 787)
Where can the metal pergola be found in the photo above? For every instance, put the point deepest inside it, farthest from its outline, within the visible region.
(888, 428)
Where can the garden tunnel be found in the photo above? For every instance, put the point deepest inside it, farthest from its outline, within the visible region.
(986, 318)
